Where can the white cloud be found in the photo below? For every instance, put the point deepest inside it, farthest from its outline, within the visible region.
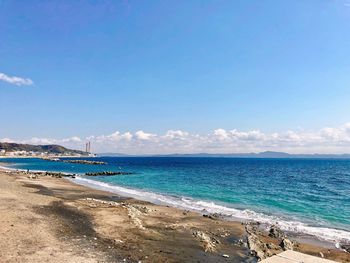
(126, 136)
(67, 141)
(16, 80)
(221, 134)
(141, 135)
(73, 142)
(36, 140)
(72, 139)
(6, 140)
(325, 140)
(254, 135)
(176, 134)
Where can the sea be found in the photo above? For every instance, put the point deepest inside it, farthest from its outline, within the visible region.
(305, 196)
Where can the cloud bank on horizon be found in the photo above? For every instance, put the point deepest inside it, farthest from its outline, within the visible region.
(18, 81)
(325, 140)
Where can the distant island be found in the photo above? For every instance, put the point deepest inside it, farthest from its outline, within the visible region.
(28, 150)
(52, 150)
(266, 154)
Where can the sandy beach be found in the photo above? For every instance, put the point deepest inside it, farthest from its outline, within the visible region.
(51, 219)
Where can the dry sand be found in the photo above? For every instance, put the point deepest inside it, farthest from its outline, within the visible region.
(53, 220)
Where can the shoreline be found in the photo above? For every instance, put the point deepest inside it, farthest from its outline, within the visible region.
(150, 226)
(158, 199)
(40, 157)
(262, 219)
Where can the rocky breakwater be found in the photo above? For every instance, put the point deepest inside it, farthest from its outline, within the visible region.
(107, 173)
(52, 159)
(35, 175)
(83, 162)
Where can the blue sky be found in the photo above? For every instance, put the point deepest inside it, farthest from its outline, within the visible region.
(196, 66)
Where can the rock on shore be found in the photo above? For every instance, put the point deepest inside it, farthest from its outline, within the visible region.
(107, 173)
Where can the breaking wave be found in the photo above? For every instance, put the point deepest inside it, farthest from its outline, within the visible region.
(322, 233)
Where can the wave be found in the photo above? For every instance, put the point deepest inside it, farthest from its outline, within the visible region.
(8, 168)
(323, 233)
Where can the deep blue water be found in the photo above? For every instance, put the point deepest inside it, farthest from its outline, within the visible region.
(305, 195)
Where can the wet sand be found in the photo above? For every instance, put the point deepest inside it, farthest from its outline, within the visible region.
(53, 220)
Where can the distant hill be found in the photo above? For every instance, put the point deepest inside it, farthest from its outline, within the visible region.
(267, 154)
(52, 148)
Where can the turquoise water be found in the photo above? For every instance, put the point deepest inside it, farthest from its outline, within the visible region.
(303, 195)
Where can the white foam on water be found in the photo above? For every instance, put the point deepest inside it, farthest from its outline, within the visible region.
(8, 168)
(333, 235)
(328, 234)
